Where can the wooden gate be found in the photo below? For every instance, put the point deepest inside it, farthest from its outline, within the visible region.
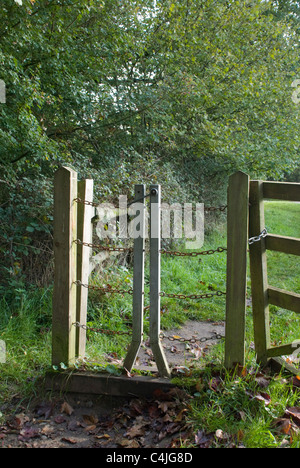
(246, 207)
(262, 293)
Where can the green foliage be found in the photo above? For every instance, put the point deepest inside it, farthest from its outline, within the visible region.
(182, 94)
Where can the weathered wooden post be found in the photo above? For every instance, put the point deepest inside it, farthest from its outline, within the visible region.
(138, 281)
(84, 234)
(155, 248)
(237, 248)
(65, 259)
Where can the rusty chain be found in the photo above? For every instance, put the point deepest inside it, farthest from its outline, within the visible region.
(193, 254)
(193, 296)
(208, 209)
(105, 331)
(108, 290)
(102, 248)
(204, 339)
(164, 252)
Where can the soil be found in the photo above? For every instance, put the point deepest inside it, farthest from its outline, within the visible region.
(85, 421)
(185, 346)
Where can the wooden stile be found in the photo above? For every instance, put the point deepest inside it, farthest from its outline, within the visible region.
(65, 258)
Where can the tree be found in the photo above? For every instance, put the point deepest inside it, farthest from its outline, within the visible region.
(185, 92)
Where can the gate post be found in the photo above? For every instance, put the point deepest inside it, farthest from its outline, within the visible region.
(155, 254)
(138, 283)
(84, 234)
(65, 251)
(237, 248)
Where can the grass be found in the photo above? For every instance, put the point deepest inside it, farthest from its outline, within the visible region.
(221, 401)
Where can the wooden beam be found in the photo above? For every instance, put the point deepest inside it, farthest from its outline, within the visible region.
(84, 234)
(65, 257)
(283, 350)
(155, 256)
(281, 191)
(284, 299)
(237, 245)
(104, 384)
(259, 277)
(287, 245)
(138, 282)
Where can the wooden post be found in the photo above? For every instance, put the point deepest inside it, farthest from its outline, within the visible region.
(237, 246)
(65, 252)
(84, 234)
(138, 284)
(259, 276)
(155, 247)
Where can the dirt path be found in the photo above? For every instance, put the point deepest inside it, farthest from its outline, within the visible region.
(73, 421)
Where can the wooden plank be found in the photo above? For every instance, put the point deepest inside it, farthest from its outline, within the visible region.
(284, 299)
(237, 246)
(65, 251)
(259, 277)
(155, 248)
(288, 245)
(84, 233)
(278, 364)
(281, 191)
(283, 350)
(104, 384)
(138, 283)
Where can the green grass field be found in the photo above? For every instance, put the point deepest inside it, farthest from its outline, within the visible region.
(228, 405)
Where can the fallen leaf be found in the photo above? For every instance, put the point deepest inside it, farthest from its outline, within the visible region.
(296, 381)
(66, 408)
(47, 429)
(203, 440)
(129, 443)
(103, 436)
(90, 419)
(214, 384)
(69, 440)
(264, 397)
(59, 419)
(29, 433)
(294, 413)
(138, 430)
(181, 415)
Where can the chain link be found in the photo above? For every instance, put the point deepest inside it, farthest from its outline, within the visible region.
(108, 290)
(261, 236)
(204, 339)
(102, 248)
(105, 331)
(208, 209)
(193, 254)
(193, 296)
